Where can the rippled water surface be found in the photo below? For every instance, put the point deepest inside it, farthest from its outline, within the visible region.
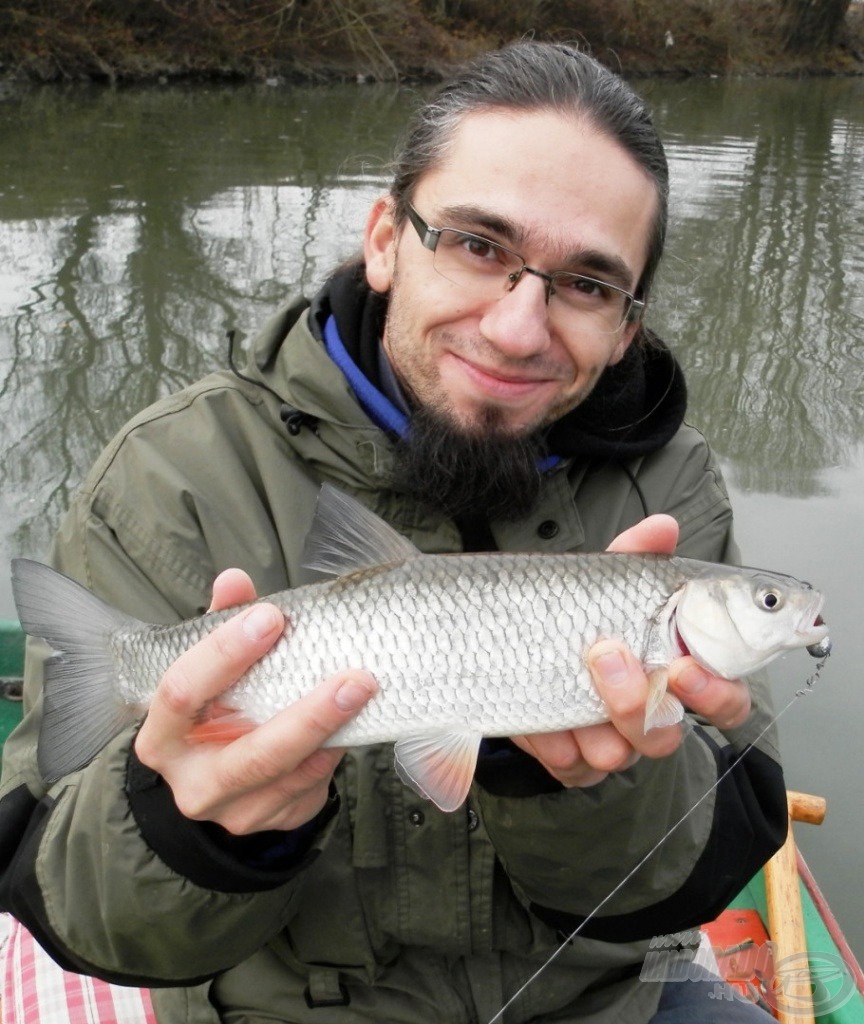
(137, 227)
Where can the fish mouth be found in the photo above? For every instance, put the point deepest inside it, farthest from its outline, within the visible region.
(813, 634)
(820, 644)
(812, 628)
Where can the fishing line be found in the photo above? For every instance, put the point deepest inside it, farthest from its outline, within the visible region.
(803, 692)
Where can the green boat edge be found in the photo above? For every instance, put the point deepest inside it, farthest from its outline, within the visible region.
(843, 996)
(837, 981)
(11, 670)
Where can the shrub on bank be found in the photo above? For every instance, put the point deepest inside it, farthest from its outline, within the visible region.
(122, 40)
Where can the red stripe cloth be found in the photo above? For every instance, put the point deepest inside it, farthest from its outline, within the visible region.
(37, 991)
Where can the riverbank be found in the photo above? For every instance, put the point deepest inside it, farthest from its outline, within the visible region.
(387, 40)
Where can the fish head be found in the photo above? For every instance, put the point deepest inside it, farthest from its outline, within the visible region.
(735, 622)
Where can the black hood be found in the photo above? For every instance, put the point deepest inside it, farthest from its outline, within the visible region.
(636, 407)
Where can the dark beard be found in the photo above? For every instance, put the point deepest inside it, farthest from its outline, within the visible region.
(486, 473)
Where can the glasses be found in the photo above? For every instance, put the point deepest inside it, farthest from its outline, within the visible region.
(489, 270)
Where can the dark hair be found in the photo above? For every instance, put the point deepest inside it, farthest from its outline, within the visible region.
(537, 76)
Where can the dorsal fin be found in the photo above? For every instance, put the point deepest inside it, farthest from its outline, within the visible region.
(346, 536)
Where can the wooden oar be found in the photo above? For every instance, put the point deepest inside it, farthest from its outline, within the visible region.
(786, 918)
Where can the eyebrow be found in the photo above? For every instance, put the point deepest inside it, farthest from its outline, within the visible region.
(478, 216)
(589, 261)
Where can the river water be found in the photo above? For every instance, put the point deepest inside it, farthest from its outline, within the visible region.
(138, 226)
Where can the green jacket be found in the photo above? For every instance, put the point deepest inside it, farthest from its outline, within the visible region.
(391, 910)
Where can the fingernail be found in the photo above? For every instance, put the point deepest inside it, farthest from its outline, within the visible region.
(260, 621)
(351, 695)
(611, 668)
(691, 680)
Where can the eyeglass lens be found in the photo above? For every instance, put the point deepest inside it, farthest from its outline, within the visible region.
(489, 269)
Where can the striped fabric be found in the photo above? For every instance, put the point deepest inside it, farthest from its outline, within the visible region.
(37, 991)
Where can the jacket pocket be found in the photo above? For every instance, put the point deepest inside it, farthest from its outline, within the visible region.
(328, 927)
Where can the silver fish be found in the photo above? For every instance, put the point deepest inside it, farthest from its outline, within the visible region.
(462, 646)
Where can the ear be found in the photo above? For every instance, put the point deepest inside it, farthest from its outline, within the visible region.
(379, 245)
(627, 336)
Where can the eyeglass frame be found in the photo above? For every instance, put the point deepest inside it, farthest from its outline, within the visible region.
(430, 237)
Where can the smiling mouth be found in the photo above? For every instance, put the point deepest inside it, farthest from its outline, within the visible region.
(497, 378)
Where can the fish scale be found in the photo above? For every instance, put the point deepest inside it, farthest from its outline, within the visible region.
(506, 656)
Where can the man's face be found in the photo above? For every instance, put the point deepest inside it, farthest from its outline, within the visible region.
(563, 196)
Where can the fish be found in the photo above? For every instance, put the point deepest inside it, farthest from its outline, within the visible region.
(463, 646)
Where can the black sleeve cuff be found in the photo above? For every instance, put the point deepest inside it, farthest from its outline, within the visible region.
(749, 826)
(505, 770)
(207, 854)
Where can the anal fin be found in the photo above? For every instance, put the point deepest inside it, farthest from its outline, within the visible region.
(439, 765)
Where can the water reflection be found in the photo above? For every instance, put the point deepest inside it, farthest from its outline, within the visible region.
(155, 220)
(764, 291)
(171, 217)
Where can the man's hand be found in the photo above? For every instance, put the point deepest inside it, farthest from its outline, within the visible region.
(278, 775)
(583, 757)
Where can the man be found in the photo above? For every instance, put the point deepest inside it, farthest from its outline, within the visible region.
(482, 380)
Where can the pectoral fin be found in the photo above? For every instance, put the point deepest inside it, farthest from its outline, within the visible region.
(439, 765)
(220, 724)
(663, 708)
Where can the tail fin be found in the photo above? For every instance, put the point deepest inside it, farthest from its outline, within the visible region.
(83, 708)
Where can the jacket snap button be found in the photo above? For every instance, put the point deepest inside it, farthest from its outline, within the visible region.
(547, 529)
(416, 818)
(473, 820)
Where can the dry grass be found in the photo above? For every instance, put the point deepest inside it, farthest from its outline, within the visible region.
(388, 39)
(130, 39)
(670, 36)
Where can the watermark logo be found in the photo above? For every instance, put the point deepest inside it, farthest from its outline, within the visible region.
(814, 983)
(804, 980)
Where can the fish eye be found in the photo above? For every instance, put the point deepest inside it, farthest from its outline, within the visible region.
(769, 599)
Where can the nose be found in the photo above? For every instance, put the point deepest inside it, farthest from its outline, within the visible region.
(517, 323)
(545, 278)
